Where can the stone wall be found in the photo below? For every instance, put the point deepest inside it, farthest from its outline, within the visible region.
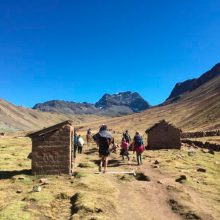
(51, 153)
(200, 144)
(164, 136)
(198, 134)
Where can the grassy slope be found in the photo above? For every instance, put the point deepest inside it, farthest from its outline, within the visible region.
(197, 110)
(14, 118)
(90, 196)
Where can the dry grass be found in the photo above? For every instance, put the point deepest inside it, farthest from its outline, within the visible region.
(94, 197)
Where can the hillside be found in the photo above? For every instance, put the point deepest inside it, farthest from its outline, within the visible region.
(192, 84)
(193, 109)
(198, 109)
(109, 105)
(16, 118)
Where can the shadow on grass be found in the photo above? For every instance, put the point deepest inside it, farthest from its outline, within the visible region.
(111, 163)
(10, 173)
(91, 151)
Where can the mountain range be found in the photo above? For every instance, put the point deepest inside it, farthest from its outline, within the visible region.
(192, 105)
(109, 105)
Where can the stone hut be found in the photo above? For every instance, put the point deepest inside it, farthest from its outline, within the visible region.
(163, 135)
(52, 149)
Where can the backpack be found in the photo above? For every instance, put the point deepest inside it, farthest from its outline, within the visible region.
(75, 140)
(124, 146)
(138, 141)
(127, 137)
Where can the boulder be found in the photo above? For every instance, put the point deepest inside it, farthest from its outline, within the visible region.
(181, 179)
(201, 170)
(43, 181)
(21, 177)
(211, 152)
(156, 162)
(191, 153)
(36, 188)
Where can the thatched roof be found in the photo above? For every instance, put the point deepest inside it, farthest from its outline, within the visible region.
(160, 122)
(49, 129)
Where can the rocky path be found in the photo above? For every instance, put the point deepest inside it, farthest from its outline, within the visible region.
(158, 198)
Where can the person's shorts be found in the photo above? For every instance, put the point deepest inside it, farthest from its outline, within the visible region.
(103, 151)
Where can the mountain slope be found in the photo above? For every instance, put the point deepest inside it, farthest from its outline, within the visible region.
(192, 84)
(109, 105)
(15, 118)
(198, 109)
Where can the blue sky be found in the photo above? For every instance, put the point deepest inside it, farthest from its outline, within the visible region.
(79, 50)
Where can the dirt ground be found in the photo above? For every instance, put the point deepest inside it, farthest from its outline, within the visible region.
(152, 194)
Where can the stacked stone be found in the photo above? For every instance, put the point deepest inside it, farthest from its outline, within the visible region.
(51, 152)
(200, 144)
(198, 134)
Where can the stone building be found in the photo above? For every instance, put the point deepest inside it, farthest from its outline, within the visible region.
(163, 135)
(52, 149)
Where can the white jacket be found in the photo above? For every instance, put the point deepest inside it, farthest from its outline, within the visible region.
(81, 141)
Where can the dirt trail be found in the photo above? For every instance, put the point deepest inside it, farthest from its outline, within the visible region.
(159, 198)
(143, 199)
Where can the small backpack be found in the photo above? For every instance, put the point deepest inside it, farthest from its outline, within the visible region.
(138, 141)
(127, 137)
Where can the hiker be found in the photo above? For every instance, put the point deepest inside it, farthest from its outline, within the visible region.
(124, 149)
(89, 135)
(75, 144)
(103, 139)
(80, 144)
(138, 147)
(126, 136)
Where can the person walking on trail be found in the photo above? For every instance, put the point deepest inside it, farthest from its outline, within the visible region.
(75, 144)
(124, 149)
(80, 144)
(88, 136)
(103, 139)
(126, 136)
(138, 147)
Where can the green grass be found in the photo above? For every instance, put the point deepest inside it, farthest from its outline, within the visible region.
(96, 195)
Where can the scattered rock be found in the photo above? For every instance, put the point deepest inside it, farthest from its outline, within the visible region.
(181, 179)
(191, 153)
(43, 181)
(36, 188)
(156, 162)
(216, 162)
(142, 177)
(29, 156)
(159, 182)
(19, 191)
(211, 152)
(21, 177)
(201, 170)
(179, 156)
(156, 166)
(205, 150)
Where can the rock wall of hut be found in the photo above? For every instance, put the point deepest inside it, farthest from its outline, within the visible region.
(164, 136)
(51, 153)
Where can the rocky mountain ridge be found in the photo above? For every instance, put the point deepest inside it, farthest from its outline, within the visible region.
(192, 84)
(110, 105)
